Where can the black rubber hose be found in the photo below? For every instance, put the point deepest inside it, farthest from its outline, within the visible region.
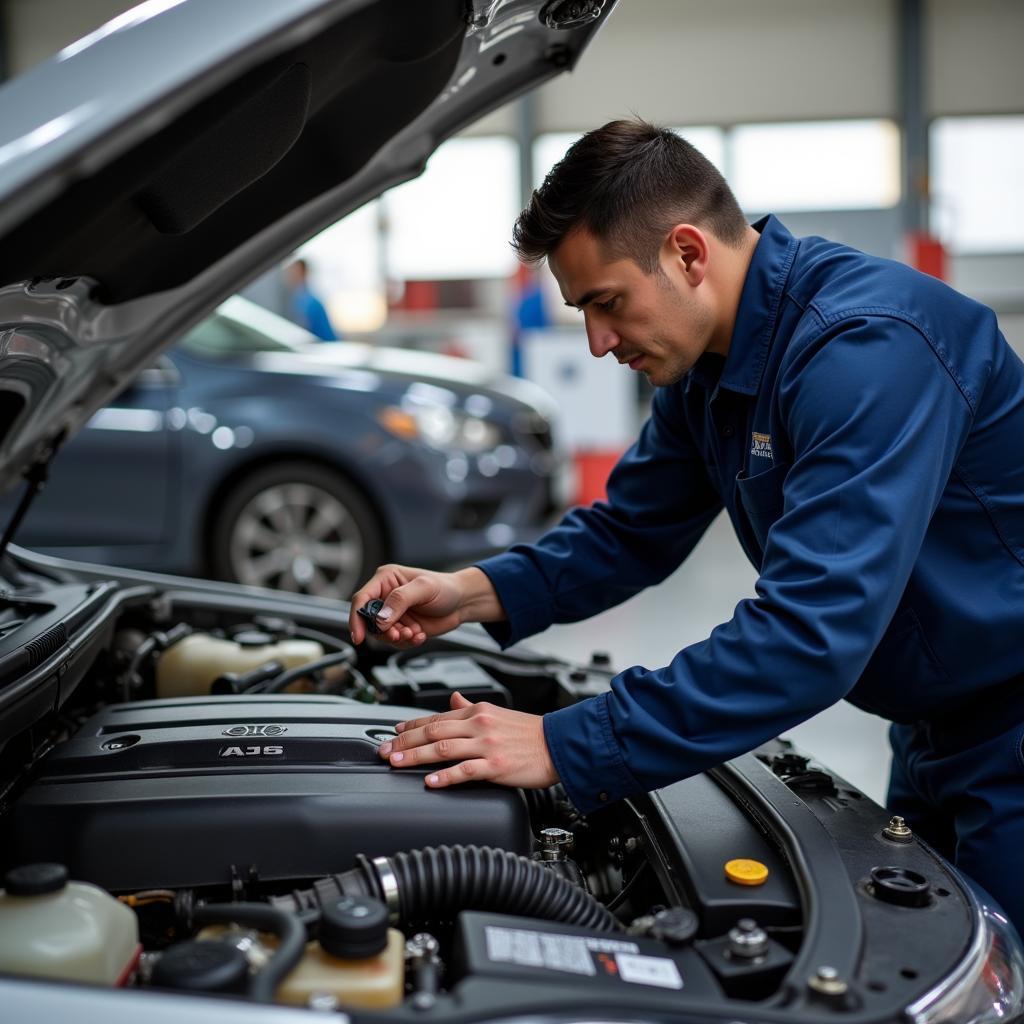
(435, 883)
(289, 928)
(332, 643)
(289, 677)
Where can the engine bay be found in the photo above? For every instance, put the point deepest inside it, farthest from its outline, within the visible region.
(207, 785)
(289, 784)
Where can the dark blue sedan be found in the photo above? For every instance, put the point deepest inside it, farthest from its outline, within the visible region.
(252, 453)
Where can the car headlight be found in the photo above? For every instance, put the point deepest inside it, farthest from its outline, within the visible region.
(989, 984)
(441, 427)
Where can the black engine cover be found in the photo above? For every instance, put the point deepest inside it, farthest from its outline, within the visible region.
(162, 794)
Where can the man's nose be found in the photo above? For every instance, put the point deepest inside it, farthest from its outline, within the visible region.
(601, 338)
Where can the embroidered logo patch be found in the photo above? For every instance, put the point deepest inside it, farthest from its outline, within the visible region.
(761, 444)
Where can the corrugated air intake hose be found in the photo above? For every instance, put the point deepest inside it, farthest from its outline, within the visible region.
(437, 882)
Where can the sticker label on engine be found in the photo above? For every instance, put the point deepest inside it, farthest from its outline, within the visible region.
(575, 954)
(649, 970)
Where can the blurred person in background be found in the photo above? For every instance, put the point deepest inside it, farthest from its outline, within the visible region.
(529, 313)
(304, 306)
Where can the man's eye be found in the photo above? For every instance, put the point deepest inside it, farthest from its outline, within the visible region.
(609, 305)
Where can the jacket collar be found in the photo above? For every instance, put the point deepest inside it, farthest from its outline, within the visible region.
(759, 305)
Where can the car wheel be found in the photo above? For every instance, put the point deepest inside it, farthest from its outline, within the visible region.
(299, 527)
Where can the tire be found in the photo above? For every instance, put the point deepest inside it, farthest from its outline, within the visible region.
(298, 527)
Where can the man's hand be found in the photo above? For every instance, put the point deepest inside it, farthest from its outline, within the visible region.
(490, 743)
(420, 604)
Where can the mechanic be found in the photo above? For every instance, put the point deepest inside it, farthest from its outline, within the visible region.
(862, 425)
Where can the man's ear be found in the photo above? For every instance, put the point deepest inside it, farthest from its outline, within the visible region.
(688, 249)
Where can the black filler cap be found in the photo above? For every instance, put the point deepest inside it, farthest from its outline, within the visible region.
(900, 886)
(202, 967)
(675, 925)
(354, 928)
(369, 613)
(35, 879)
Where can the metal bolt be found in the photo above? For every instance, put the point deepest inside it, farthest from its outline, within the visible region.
(747, 939)
(554, 843)
(826, 981)
(897, 831)
(424, 964)
(422, 946)
(147, 961)
(325, 1002)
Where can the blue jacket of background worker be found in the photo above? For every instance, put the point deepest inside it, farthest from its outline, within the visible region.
(865, 436)
(309, 311)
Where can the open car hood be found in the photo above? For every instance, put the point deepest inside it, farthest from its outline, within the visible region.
(155, 166)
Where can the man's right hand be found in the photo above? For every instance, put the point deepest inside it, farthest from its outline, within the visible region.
(419, 603)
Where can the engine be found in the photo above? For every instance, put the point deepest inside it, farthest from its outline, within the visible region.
(185, 792)
(210, 814)
(204, 810)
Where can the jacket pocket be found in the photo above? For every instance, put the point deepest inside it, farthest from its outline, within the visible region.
(761, 500)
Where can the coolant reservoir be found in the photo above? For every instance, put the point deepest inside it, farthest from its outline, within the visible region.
(359, 959)
(189, 668)
(53, 928)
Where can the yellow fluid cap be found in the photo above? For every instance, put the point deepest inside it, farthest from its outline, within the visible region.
(746, 872)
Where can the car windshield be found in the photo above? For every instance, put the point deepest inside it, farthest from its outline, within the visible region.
(220, 335)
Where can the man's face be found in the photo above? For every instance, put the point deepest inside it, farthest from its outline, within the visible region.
(658, 324)
(295, 275)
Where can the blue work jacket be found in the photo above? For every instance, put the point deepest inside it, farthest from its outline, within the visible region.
(311, 313)
(865, 435)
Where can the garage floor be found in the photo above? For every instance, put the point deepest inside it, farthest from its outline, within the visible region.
(650, 628)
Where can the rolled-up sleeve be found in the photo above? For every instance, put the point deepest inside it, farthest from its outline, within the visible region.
(875, 420)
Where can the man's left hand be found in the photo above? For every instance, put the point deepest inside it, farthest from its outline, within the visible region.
(490, 743)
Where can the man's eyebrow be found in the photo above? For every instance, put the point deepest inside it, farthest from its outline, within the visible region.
(584, 299)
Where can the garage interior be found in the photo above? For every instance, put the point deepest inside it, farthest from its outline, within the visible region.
(933, 87)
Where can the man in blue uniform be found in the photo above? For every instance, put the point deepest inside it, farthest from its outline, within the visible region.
(861, 424)
(306, 309)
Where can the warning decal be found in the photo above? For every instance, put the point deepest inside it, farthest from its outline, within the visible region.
(574, 954)
(569, 953)
(649, 970)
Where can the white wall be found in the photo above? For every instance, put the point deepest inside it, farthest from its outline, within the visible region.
(974, 56)
(692, 61)
(687, 62)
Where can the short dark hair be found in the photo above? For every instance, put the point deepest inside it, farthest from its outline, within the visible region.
(628, 183)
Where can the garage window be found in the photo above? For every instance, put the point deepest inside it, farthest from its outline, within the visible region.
(977, 171)
(456, 219)
(815, 165)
